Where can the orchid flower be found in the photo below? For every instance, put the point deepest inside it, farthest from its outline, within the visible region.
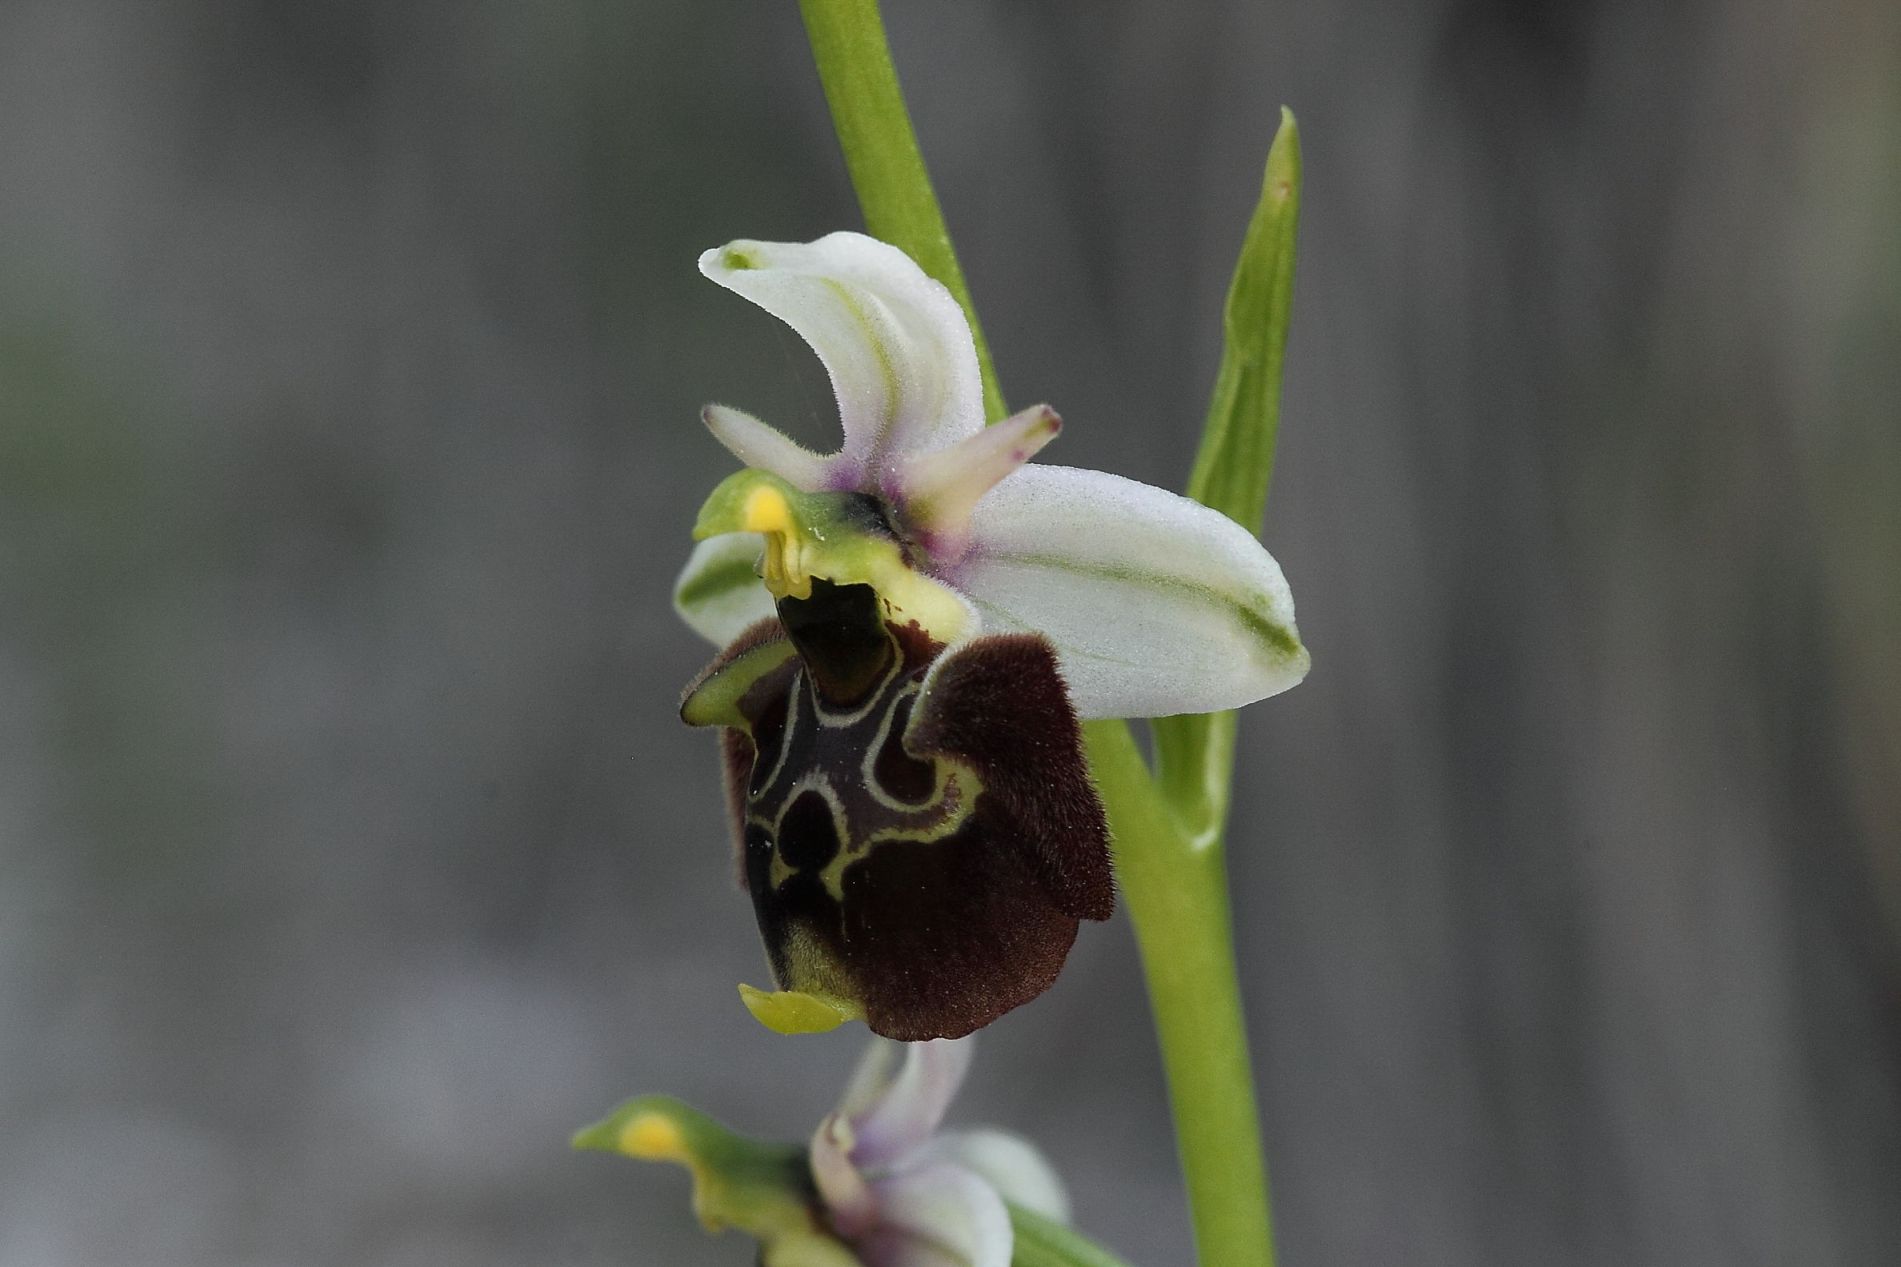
(912, 628)
(906, 1195)
(879, 1185)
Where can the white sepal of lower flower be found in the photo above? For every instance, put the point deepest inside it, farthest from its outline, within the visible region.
(902, 1193)
(1154, 603)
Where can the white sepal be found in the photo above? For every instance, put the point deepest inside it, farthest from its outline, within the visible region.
(899, 352)
(756, 444)
(1010, 1164)
(1156, 604)
(719, 593)
(938, 1214)
(876, 1068)
(914, 1101)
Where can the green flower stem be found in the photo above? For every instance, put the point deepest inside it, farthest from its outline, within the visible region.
(1176, 890)
(1169, 857)
(881, 151)
(1169, 847)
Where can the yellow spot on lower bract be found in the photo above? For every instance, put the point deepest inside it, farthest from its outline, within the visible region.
(653, 1137)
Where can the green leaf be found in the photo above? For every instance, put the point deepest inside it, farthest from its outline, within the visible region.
(1041, 1242)
(1195, 754)
(1236, 457)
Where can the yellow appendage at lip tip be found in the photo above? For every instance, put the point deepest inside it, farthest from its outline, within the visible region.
(794, 1011)
(653, 1137)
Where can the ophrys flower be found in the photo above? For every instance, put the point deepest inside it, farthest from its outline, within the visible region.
(914, 625)
(879, 1185)
(904, 1194)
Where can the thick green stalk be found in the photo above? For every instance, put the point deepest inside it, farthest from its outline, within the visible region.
(1176, 889)
(881, 151)
(1168, 829)
(1174, 881)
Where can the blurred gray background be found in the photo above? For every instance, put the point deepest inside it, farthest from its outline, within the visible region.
(350, 853)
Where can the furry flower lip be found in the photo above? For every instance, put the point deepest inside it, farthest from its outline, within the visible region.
(912, 627)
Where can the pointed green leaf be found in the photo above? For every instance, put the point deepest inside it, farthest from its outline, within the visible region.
(1237, 443)
(1195, 754)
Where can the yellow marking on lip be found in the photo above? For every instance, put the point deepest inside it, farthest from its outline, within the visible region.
(949, 808)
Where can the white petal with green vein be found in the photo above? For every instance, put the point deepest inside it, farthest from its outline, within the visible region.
(719, 592)
(1156, 604)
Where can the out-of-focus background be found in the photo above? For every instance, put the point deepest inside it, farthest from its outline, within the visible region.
(350, 853)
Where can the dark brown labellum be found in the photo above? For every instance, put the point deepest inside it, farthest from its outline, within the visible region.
(917, 827)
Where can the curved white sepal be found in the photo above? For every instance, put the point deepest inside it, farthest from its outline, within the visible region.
(914, 1101)
(719, 593)
(757, 444)
(1156, 604)
(876, 1068)
(1010, 1164)
(897, 347)
(939, 1214)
